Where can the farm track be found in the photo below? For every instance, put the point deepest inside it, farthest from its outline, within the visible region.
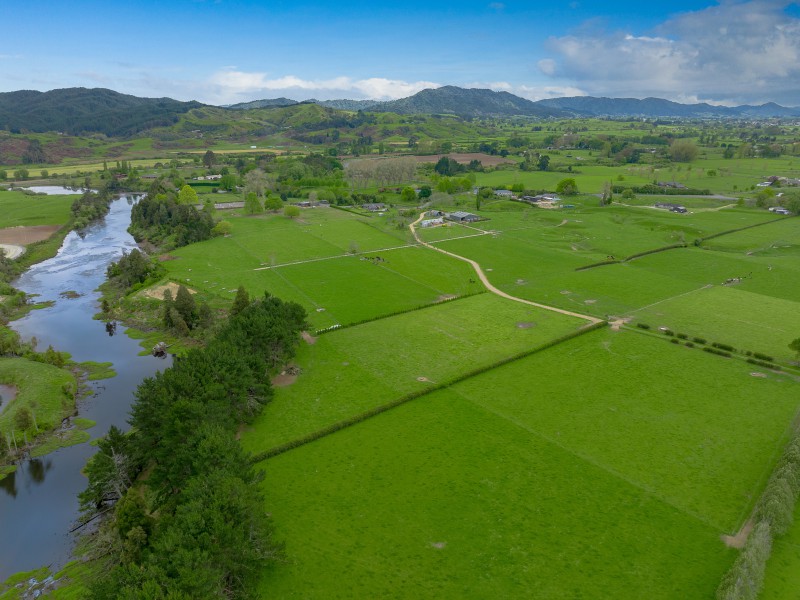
(485, 280)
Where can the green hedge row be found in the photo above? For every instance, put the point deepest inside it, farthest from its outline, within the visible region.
(350, 210)
(602, 263)
(654, 251)
(316, 435)
(773, 517)
(394, 314)
(699, 241)
(650, 188)
(764, 364)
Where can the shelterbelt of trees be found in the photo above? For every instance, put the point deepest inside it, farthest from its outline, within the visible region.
(188, 520)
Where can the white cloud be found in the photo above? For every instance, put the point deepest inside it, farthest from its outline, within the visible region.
(732, 52)
(547, 66)
(232, 86)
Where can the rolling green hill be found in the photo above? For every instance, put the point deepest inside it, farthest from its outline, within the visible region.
(81, 110)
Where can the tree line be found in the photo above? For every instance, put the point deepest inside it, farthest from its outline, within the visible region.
(194, 526)
(168, 219)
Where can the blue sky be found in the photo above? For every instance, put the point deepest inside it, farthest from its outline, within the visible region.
(225, 51)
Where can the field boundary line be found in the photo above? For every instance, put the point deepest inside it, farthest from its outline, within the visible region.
(398, 313)
(345, 255)
(598, 465)
(705, 287)
(699, 241)
(354, 420)
(492, 288)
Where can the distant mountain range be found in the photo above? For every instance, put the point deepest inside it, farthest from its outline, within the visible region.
(657, 107)
(478, 103)
(80, 110)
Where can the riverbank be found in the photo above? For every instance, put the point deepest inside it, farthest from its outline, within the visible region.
(38, 500)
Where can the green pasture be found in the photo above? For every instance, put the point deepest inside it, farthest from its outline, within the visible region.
(777, 276)
(615, 289)
(783, 568)
(745, 320)
(40, 388)
(312, 263)
(441, 498)
(349, 371)
(17, 208)
(777, 239)
(694, 429)
(555, 473)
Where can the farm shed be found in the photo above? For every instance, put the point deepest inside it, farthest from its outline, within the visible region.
(463, 217)
(671, 207)
(374, 206)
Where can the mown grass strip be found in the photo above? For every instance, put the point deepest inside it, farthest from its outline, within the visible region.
(321, 433)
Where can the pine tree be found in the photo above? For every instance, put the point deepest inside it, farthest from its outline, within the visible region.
(241, 301)
(186, 306)
(169, 306)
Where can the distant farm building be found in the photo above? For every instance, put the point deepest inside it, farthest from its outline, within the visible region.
(462, 217)
(541, 198)
(677, 208)
(374, 206)
(671, 184)
(504, 193)
(432, 222)
(208, 178)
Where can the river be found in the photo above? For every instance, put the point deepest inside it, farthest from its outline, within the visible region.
(38, 503)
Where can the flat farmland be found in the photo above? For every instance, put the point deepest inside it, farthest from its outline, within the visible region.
(353, 370)
(605, 466)
(558, 473)
(337, 267)
(745, 320)
(18, 209)
(783, 569)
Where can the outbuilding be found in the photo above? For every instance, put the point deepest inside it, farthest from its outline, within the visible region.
(463, 217)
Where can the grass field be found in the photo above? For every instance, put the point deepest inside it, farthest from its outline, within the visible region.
(783, 569)
(40, 389)
(606, 466)
(319, 262)
(745, 320)
(18, 209)
(581, 471)
(350, 371)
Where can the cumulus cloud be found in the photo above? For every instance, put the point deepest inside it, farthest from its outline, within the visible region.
(733, 52)
(231, 85)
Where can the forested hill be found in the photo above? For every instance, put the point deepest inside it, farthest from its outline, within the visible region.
(468, 103)
(81, 110)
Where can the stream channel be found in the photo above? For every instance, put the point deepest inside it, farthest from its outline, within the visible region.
(38, 503)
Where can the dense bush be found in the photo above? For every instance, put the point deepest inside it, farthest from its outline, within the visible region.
(161, 220)
(204, 533)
